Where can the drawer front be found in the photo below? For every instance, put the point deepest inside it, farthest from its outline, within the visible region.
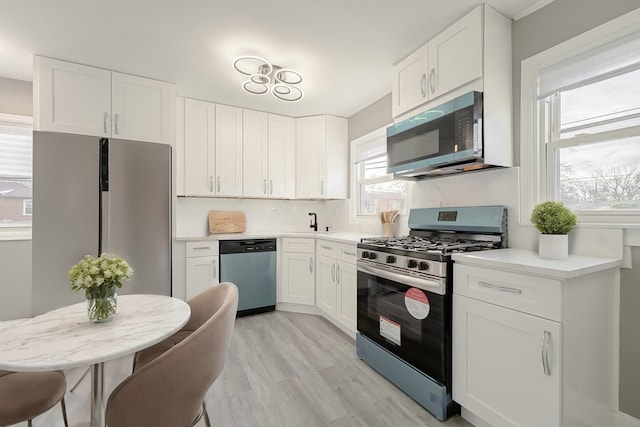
(328, 248)
(202, 248)
(342, 251)
(529, 294)
(347, 252)
(301, 245)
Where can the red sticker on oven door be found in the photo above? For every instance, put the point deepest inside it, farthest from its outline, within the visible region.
(417, 303)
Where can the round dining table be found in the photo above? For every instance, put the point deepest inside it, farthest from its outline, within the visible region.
(64, 338)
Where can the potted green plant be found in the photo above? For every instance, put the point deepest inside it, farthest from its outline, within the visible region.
(554, 221)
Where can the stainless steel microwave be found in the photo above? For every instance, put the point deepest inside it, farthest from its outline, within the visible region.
(443, 140)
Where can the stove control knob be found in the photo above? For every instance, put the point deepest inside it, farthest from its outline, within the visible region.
(423, 265)
(412, 263)
(373, 255)
(391, 259)
(365, 254)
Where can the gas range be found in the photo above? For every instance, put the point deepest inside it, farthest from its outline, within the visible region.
(435, 234)
(405, 298)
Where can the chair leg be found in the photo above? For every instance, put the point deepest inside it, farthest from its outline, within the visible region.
(29, 423)
(206, 415)
(64, 412)
(80, 380)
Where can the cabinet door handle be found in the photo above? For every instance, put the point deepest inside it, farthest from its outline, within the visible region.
(215, 270)
(333, 272)
(325, 247)
(104, 122)
(271, 187)
(432, 80)
(310, 264)
(423, 85)
(322, 187)
(500, 288)
(338, 274)
(349, 253)
(116, 123)
(264, 186)
(211, 184)
(218, 181)
(546, 337)
(200, 248)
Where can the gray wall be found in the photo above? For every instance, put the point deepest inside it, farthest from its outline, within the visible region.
(630, 337)
(15, 255)
(371, 118)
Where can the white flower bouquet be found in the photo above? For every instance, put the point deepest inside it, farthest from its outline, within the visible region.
(99, 277)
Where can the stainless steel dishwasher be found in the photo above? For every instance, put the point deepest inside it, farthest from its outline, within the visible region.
(251, 265)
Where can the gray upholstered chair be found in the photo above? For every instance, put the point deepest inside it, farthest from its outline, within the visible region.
(171, 379)
(25, 395)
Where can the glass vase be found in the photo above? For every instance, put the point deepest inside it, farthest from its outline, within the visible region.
(102, 309)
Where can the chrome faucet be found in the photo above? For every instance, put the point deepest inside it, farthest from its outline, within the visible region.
(314, 221)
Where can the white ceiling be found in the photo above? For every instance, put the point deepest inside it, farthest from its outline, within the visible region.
(345, 49)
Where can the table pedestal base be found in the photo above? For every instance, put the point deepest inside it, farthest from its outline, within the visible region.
(97, 393)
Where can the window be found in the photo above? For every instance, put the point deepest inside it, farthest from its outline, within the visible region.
(581, 124)
(16, 206)
(374, 190)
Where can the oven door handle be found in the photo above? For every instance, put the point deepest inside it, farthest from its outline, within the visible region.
(431, 285)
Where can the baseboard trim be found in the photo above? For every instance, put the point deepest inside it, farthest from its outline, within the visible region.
(297, 308)
(624, 420)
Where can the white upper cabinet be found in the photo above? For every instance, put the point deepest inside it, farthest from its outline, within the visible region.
(282, 156)
(321, 157)
(228, 133)
(84, 100)
(455, 55)
(199, 148)
(409, 81)
(474, 53)
(255, 147)
(141, 109)
(268, 155)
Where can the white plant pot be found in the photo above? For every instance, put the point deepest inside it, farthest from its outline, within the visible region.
(553, 246)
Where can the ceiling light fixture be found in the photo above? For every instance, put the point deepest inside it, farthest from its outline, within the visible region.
(265, 77)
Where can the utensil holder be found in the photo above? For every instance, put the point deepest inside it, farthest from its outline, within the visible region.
(387, 229)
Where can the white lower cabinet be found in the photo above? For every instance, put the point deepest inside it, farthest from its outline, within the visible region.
(336, 284)
(500, 364)
(533, 339)
(202, 267)
(298, 266)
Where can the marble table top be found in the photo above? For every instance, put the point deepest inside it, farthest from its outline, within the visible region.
(64, 338)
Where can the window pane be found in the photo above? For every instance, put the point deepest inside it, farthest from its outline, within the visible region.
(382, 196)
(13, 210)
(15, 171)
(603, 175)
(605, 105)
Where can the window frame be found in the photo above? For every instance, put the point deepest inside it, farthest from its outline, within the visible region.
(354, 206)
(538, 179)
(18, 232)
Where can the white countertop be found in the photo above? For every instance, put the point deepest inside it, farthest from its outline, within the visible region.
(343, 237)
(528, 262)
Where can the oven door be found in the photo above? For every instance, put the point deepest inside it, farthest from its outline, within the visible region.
(412, 322)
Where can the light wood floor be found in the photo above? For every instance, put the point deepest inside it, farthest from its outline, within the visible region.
(283, 369)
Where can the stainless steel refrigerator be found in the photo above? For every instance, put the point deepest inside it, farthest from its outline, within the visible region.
(94, 195)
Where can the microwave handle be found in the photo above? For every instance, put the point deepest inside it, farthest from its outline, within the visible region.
(423, 85)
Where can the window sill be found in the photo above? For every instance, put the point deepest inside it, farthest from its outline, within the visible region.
(15, 234)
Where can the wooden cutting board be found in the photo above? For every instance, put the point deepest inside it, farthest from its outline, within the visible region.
(227, 222)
